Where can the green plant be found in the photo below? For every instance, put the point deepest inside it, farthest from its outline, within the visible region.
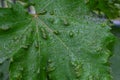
(54, 40)
(108, 7)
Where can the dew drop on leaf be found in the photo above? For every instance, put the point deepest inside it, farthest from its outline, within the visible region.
(18, 77)
(4, 27)
(15, 38)
(44, 68)
(43, 12)
(38, 71)
(50, 69)
(90, 77)
(44, 34)
(66, 23)
(103, 25)
(24, 46)
(78, 74)
(11, 60)
(49, 61)
(51, 12)
(51, 20)
(86, 1)
(77, 68)
(21, 69)
(71, 34)
(36, 44)
(56, 32)
(73, 64)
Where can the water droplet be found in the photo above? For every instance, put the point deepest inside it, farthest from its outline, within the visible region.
(91, 77)
(51, 20)
(108, 77)
(63, 58)
(78, 74)
(74, 64)
(15, 38)
(44, 68)
(38, 71)
(71, 34)
(24, 46)
(86, 1)
(44, 34)
(49, 61)
(18, 77)
(52, 12)
(50, 69)
(21, 69)
(96, 12)
(36, 44)
(56, 32)
(77, 68)
(43, 12)
(66, 22)
(1, 63)
(103, 24)
(4, 27)
(11, 60)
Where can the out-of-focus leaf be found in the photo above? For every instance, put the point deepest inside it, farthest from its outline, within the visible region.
(115, 59)
(4, 69)
(106, 6)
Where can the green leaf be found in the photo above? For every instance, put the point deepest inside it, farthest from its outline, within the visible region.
(4, 69)
(115, 61)
(106, 6)
(116, 57)
(65, 43)
(11, 25)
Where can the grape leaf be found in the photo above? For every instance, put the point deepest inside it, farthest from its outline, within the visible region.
(63, 41)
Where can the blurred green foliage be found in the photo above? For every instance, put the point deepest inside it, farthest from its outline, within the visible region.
(109, 7)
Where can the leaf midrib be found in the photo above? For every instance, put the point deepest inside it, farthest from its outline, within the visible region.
(51, 31)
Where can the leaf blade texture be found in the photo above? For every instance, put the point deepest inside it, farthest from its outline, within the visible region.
(64, 42)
